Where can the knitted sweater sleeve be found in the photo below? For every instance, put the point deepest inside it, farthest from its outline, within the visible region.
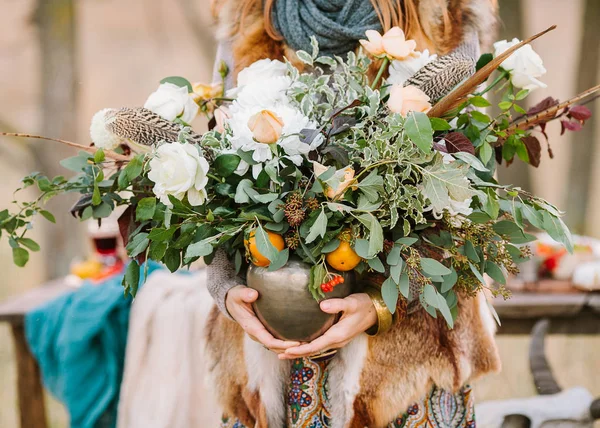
(221, 277)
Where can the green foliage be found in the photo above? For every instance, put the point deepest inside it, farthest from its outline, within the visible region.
(131, 278)
(419, 201)
(419, 130)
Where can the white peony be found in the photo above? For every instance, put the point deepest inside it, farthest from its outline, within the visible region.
(265, 87)
(171, 101)
(401, 71)
(263, 93)
(524, 65)
(178, 169)
(293, 122)
(265, 69)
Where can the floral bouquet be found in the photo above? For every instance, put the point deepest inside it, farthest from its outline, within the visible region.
(344, 169)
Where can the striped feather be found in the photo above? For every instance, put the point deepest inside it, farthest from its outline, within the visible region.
(144, 127)
(459, 94)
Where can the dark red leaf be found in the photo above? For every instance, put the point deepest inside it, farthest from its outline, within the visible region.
(457, 142)
(498, 154)
(126, 224)
(570, 125)
(212, 123)
(580, 113)
(534, 149)
(546, 103)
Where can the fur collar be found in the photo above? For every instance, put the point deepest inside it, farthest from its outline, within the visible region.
(444, 24)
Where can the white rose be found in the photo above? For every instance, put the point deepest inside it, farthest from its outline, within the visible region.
(171, 101)
(401, 71)
(178, 169)
(265, 69)
(524, 65)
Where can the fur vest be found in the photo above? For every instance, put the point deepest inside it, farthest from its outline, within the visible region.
(372, 379)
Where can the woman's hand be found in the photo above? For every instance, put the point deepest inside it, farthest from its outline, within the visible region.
(239, 305)
(359, 315)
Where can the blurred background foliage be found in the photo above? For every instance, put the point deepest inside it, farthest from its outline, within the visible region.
(63, 60)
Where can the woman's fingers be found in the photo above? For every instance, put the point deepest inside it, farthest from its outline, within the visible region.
(266, 339)
(330, 340)
(249, 295)
(241, 293)
(238, 302)
(358, 315)
(333, 306)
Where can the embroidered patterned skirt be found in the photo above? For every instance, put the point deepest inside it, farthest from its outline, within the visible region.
(308, 403)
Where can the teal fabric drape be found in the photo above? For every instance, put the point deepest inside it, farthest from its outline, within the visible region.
(79, 343)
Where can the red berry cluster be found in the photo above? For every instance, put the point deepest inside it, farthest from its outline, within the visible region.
(327, 287)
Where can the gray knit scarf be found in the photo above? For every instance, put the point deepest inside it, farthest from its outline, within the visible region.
(337, 24)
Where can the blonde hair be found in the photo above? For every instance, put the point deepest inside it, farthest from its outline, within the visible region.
(391, 13)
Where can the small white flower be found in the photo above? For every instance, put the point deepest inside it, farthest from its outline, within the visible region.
(401, 71)
(524, 65)
(171, 101)
(101, 136)
(178, 169)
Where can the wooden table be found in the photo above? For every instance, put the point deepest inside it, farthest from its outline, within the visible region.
(570, 313)
(32, 412)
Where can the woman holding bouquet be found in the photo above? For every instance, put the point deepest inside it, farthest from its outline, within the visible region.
(408, 372)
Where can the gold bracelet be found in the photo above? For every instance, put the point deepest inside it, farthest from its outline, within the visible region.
(384, 317)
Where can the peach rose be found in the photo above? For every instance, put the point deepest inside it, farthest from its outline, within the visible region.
(346, 179)
(392, 44)
(266, 127)
(396, 46)
(338, 183)
(374, 44)
(408, 98)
